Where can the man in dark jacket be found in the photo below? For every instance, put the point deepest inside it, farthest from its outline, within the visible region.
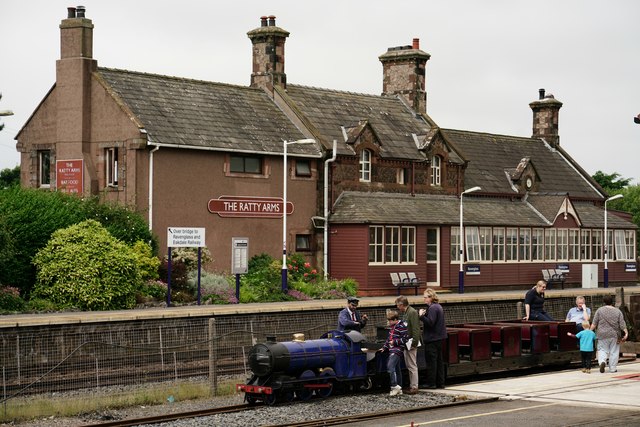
(350, 318)
(435, 335)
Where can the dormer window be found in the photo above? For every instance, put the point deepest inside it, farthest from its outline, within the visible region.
(436, 171)
(365, 166)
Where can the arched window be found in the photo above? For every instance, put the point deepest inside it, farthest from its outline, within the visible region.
(365, 166)
(436, 170)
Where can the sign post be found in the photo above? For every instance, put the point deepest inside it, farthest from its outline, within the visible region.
(239, 260)
(184, 237)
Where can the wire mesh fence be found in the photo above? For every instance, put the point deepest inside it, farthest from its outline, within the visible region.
(61, 358)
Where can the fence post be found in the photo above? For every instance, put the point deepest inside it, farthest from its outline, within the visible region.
(519, 312)
(213, 360)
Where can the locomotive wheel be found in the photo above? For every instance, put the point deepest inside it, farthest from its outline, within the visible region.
(251, 400)
(329, 374)
(270, 399)
(287, 396)
(305, 393)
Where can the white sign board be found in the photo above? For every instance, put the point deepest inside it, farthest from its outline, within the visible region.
(239, 255)
(185, 237)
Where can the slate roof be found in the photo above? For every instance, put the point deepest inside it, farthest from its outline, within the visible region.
(199, 114)
(390, 208)
(490, 155)
(393, 122)
(593, 217)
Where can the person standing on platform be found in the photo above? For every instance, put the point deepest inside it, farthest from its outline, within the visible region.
(579, 314)
(350, 318)
(608, 322)
(412, 321)
(587, 337)
(534, 303)
(435, 335)
(395, 345)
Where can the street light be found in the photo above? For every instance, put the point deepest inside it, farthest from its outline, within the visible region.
(284, 205)
(606, 240)
(461, 273)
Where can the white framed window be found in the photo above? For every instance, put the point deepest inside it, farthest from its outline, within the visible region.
(585, 244)
(537, 244)
(609, 249)
(550, 244)
(574, 244)
(436, 168)
(44, 169)
(630, 239)
(376, 244)
(403, 176)
(562, 244)
(392, 244)
(111, 166)
(455, 244)
(433, 242)
(625, 244)
(498, 244)
(408, 244)
(365, 166)
(512, 244)
(472, 243)
(524, 246)
(484, 237)
(596, 244)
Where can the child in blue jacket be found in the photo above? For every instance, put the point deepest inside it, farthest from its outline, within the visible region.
(587, 337)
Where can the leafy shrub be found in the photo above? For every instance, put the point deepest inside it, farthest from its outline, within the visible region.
(40, 305)
(10, 299)
(156, 289)
(85, 266)
(300, 270)
(189, 257)
(214, 288)
(147, 263)
(179, 274)
(330, 289)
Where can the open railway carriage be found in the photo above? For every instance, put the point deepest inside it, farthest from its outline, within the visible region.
(299, 368)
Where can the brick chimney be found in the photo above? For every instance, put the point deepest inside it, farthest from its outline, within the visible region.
(404, 73)
(268, 54)
(73, 82)
(545, 118)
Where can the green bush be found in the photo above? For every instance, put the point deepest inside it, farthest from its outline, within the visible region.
(41, 306)
(28, 218)
(147, 263)
(155, 289)
(10, 300)
(85, 266)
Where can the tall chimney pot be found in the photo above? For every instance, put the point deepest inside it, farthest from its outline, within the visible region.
(71, 12)
(416, 43)
(541, 93)
(272, 21)
(263, 21)
(80, 11)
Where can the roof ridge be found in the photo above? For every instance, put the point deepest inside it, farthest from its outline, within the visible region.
(530, 138)
(393, 98)
(184, 79)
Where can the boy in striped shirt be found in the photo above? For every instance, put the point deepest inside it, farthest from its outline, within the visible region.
(395, 345)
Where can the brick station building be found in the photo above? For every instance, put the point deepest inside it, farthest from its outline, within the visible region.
(377, 192)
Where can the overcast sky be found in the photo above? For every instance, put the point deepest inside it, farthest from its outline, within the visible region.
(488, 58)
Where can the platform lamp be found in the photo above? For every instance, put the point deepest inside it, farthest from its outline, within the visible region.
(606, 240)
(461, 273)
(284, 208)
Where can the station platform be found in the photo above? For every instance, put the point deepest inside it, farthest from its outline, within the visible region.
(188, 311)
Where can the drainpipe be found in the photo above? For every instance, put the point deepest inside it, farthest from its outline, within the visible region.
(325, 263)
(151, 186)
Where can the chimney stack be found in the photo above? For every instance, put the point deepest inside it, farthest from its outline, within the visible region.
(404, 73)
(268, 54)
(546, 111)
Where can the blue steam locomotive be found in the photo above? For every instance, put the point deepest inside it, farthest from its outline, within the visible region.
(283, 371)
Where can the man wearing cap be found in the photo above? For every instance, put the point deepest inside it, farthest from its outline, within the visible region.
(350, 318)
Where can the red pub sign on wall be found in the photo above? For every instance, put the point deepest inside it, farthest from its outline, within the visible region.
(248, 207)
(69, 175)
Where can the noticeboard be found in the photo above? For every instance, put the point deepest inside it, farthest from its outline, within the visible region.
(185, 237)
(239, 255)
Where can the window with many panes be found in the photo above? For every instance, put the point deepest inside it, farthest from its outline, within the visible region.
(562, 244)
(365, 166)
(484, 238)
(432, 244)
(511, 244)
(524, 245)
(472, 243)
(625, 244)
(455, 244)
(596, 244)
(585, 244)
(44, 168)
(436, 168)
(550, 244)
(111, 166)
(574, 244)
(537, 244)
(246, 164)
(392, 244)
(498, 244)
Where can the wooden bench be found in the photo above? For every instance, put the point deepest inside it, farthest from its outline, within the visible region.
(554, 276)
(405, 280)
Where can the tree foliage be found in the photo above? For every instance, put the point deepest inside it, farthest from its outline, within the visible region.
(84, 266)
(28, 218)
(611, 183)
(9, 177)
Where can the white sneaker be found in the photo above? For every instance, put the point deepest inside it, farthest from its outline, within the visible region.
(395, 390)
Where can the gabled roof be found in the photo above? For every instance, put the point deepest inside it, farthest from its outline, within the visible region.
(491, 155)
(198, 114)
(391, 208)
(393, 122)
